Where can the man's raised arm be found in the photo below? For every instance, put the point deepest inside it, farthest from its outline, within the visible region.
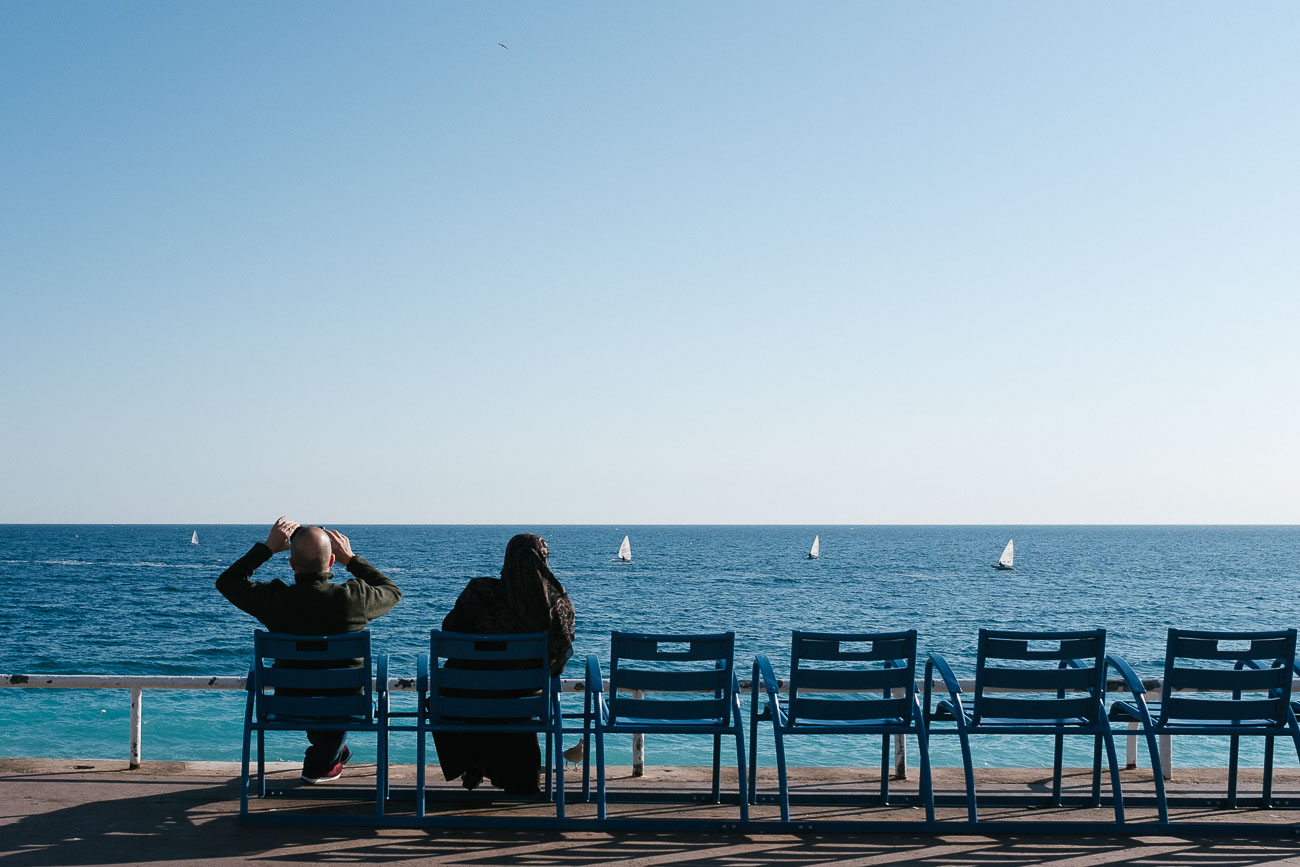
(377, 590)
(235, 583)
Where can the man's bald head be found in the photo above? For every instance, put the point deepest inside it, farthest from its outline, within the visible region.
(310, 551)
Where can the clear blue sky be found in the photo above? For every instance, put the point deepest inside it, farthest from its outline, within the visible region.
(673, 262)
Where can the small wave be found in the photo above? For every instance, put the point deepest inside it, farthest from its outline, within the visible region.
(65, 562)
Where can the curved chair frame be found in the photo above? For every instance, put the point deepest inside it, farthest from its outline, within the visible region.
(1067, 698)
(312, 683)
(497, 684)
(1214, 689)
(672, 684)
(880, 682)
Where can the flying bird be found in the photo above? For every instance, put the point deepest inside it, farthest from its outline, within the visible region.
(503, 45)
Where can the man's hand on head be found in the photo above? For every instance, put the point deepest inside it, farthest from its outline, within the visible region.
(278, 539)
(340, 546)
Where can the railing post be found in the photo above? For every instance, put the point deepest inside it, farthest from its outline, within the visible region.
(1130, 747)
(900, 756)
(638, 745)
(137, 714)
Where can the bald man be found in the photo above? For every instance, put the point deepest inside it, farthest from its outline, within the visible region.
(312, 605)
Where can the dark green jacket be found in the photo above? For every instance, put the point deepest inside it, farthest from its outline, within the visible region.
(313, 604)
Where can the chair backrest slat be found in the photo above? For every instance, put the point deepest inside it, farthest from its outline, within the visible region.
(845, 710)
(1226, 709)
(1033, 679)
(874, 680)
(677, 710)
(481, 680)
(1038, 708)
(322, 709)
(675, 681)
(1228, 680)
(516, 708)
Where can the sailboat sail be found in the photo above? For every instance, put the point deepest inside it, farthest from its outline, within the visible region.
(816, 548)
(625, 551)
(1008, 558)
(194, 539)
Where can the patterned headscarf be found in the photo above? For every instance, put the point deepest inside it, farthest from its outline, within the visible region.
(535, 596)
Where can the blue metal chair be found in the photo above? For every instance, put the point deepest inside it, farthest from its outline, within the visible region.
(669, 684)
(316, 682)
(842, 683)
(1039, 683)
(1217, 683)
(489, 684)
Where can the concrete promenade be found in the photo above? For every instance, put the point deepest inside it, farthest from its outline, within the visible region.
(64, 812)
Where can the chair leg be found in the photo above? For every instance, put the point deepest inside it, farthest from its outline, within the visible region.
(1268, 772)
(381, 769)
(753, 755)
(927, 785)
(586, 747)
(1096, 771)
(600, 773)
(419, 770)
(1056, 769)
(558, 758)
(1234, 755)
(261, 763)
(782, 784)
(971, 812)
(717, 769)
(244, 773)
(1115, 789)
(1158, 773)
(884, 769)
(742, 785)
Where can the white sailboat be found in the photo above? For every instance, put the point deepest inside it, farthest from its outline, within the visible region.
(625, 551)
(1008, 558)
(816, 551)
(194, 539)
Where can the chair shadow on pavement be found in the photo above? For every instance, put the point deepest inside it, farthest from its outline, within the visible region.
(189, 821)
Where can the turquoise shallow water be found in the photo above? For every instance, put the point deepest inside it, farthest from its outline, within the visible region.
(140, 600)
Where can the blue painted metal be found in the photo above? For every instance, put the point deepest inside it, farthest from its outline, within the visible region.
(1031, 683)
(319, 682)
(842, 683)
(1218, 683)
(668, 683)
(489, 683)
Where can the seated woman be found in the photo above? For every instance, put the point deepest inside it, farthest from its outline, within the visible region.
(526, 598)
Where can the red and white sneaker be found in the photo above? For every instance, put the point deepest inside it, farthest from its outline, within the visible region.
(332, 774)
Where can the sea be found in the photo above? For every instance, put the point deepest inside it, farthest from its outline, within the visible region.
(140, 599)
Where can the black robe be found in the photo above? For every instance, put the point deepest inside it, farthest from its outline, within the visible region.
(526, 598)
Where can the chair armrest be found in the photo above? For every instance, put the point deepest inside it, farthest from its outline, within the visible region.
(381, 674)
(763, 669)
(1131, 681)
(594, 684)
(935, 662)
(422, 675)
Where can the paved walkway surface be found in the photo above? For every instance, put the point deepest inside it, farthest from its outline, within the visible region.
(99, 813)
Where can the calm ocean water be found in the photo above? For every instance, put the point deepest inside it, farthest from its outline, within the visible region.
(140, 600)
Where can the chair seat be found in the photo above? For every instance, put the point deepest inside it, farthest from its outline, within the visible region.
(1127, 711)
(636, 723)
(821, 724)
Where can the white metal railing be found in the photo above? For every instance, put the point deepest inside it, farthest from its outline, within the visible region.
(136, 684)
